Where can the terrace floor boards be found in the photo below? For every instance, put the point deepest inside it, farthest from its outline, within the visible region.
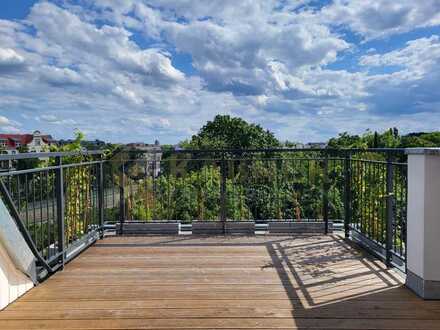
(232, 282)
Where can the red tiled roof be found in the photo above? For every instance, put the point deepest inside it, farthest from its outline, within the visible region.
(23, 139)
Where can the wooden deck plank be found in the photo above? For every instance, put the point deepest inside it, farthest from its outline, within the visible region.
(223, 323)
(270, 282)
(365, 311)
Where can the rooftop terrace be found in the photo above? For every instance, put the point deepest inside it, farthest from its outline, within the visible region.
(298, 239)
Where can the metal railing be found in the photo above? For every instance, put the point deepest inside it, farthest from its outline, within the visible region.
(56, 207)
(377, 197)
(64, 206)
(227, 187)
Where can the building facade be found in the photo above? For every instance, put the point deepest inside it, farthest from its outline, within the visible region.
(35, 142)
(150, 153)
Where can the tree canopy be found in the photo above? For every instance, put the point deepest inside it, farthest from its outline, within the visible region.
(226, 132)
(388, 139)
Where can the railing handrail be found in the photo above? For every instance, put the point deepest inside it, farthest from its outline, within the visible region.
(32, 155)
(256, 150)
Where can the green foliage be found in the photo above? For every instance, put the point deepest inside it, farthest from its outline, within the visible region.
(345, 140)
(78, 202)
(388, 139)
(226, 132)
(193, 196)
(255, 189)
(24, 164)
(78, 191)
(421, 140)
(75, 146)
(43, 235)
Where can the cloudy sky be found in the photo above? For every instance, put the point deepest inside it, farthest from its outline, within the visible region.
(137, 70)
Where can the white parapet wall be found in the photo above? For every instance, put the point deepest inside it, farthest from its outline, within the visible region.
(17, 263)
(13, 283)
(423, 223)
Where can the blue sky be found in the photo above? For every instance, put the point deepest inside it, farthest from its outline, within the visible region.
(140, 70)
(13, 9)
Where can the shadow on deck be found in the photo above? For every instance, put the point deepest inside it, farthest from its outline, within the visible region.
(273, 282)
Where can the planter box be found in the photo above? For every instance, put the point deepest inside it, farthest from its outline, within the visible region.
(207, 228)
(284, 227)
(240, 227)
(216, 228)
(149, 228)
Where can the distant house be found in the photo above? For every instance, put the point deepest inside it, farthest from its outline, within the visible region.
(150, 153)
(297, 145)
(12, 144)
(35, 142)
(310, 145)
(86, 145)
(141, 146)
(316, 145)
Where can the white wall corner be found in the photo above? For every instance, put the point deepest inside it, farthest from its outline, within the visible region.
(13, 282)
(17, 263)
(423, 222)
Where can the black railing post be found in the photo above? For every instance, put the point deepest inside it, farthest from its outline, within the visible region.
(59, 193)
(347, 194)
(122, 200)
(389, 211)
(223, 173)
(101, 195)
(325, 187)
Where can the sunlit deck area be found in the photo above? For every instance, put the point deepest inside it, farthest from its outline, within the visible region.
(236, 282)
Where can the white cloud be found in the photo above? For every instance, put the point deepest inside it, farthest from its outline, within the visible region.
(104, 48)
(54, 120)
(151, 122)
(59, 76)
(10, 60)
(412, 86)
(49, 118)
(128, 94)
(9, 126)
(10, 57)
(380, 18)
(4, 121)
(235, 46)
(111, 67)
(418, 55)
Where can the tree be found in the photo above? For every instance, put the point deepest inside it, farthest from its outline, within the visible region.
(226, 132)
(345, 140)
(421, 140)
(25, 164)
(388, 139)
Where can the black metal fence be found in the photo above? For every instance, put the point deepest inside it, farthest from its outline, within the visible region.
(55, 201)
(363, 190)
(377, 197)
(65, 205)
(231, 189)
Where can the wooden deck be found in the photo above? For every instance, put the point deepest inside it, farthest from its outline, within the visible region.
(183, 282)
